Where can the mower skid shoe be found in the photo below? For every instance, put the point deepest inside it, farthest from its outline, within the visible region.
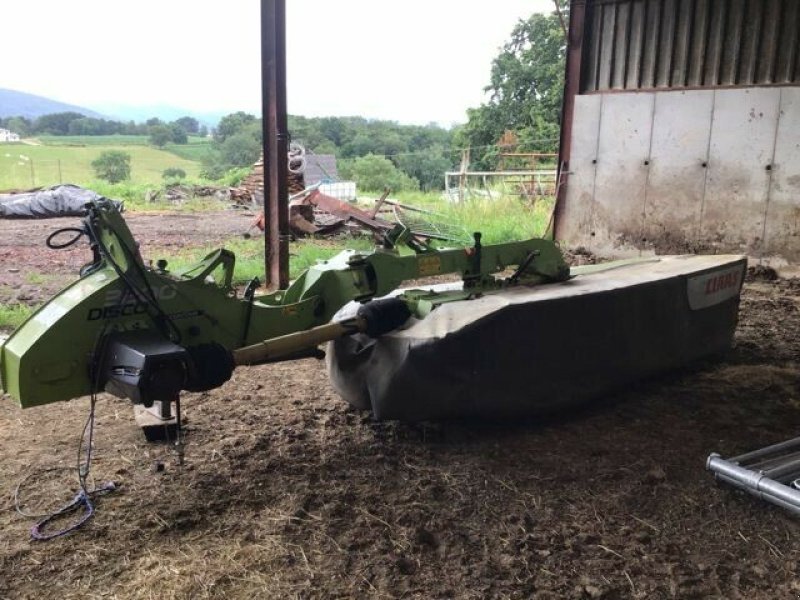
(158, 423)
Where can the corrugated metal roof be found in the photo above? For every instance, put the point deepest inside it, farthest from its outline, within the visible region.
(652, 44)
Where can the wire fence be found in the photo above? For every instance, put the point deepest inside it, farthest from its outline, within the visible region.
(28, 173)
(19, 171)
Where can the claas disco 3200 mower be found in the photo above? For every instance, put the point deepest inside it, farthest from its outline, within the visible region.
(521, 332)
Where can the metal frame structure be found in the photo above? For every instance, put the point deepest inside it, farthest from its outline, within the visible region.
(771, 473)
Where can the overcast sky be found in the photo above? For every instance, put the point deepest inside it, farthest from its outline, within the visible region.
(412, 61)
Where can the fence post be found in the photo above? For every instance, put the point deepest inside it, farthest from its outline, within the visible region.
(33, 176)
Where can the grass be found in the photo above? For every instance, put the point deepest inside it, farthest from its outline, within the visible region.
(196, 151)
(135, 197)
(12, 315)
(23, 167)
(93, 140)
(503, 219)
(250, 255)
(36, 278)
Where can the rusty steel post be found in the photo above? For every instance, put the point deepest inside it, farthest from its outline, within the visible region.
(275, 143)
(572, 83)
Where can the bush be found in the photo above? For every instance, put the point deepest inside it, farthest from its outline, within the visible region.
(240, 150)
(173, 174)
(113, 166)
(373, 173)
(234, 177)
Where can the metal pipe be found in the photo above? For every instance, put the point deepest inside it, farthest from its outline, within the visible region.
(521, 174)
(760, 495)
(774, 449)
(276, 348)
(785, 470)
(754, 483)
(764, 465)
(275, 142)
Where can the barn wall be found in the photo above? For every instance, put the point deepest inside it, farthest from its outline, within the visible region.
(685, 128)
(686, 171)
(663, 44)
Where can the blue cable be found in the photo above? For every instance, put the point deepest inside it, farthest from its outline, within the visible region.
(81, 499)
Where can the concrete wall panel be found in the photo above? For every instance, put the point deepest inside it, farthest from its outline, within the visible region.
(677, 178)
(578, 212)
(686, 171)
(741, 150)
(619, 189)
(782, 235)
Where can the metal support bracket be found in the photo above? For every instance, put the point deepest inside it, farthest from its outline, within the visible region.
(159, 423)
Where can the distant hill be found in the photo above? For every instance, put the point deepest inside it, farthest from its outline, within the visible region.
(20, 104)
(165, 112)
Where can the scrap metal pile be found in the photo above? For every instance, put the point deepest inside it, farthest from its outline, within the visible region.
(313, 213)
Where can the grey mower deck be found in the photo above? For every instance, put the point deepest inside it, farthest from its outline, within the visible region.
(545, 348)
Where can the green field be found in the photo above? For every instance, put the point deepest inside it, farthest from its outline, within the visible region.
(91, 140)
(108, 140)
(27, 166)
(197, 148)
(192, 151)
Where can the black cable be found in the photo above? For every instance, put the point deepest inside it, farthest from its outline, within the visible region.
(132, 286)
(53, 246)
(84, 498)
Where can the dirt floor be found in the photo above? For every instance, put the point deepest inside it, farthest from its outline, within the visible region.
(287, 492)
(30, 272)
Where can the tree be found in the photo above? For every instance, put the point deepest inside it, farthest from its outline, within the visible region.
(160, 135)
(240, 150)
(19, 125)
(113, 166)
(55, 123)
(232, 124)
(526, 87)
(177, 134)
(426, 166)
(189, 124)
(373, 173)
(237, 143)
(91, 126)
